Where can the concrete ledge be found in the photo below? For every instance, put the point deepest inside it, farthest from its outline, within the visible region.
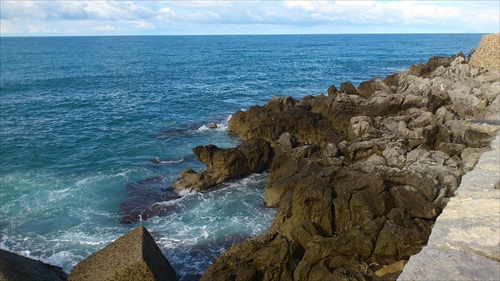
(432, 264)
(465, 240)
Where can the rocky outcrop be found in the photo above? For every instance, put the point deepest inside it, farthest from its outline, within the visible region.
(14, 267)
(359, 176)
(134, 256)
(252, 156)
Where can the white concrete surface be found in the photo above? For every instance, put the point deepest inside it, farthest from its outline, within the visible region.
(465, 241)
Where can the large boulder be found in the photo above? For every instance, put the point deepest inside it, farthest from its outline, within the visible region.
(16, 267)
(134, 256)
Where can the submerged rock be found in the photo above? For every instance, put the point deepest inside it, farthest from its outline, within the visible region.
(134, 256)
(147, 198)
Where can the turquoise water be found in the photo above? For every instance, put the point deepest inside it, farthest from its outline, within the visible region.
(82, 117)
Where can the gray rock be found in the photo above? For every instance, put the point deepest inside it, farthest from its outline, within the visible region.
(16, 267)
(134, 256)
(433, 264)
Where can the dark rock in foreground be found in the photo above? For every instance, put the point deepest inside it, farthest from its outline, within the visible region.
(134, 256)
(14, 267)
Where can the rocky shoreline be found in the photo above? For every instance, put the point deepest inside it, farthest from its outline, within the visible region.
(358, 176)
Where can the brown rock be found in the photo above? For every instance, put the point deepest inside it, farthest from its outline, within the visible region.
(392, 268)
(16, 267)
(348, 88)
(332, 91)
(134, 256)
(367, 88)
(280, 116)
(359, 198)
(412, 201)
(431, 65)
(251, 156)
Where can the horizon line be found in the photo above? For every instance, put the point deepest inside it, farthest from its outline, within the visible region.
(240, 34)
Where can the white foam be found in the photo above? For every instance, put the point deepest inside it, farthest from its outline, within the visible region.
(221, 127)
(158, 161)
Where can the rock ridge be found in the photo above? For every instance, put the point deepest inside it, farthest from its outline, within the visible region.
(360, 176)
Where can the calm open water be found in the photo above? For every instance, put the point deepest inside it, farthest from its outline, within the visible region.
(82, 117)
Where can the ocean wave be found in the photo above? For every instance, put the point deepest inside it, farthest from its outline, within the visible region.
(220, 126)
(158, 161)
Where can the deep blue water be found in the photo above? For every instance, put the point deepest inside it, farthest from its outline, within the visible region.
(82, 117)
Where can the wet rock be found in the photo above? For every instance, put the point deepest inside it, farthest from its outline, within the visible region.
(17, 267)
(251, 156)
(134, 256)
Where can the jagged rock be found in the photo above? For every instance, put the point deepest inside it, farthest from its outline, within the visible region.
(367, 88)
(412, 201)
(310, 200)
(348, 88)
(432, 64)
(332, 91)
(17, 267)
(358, 177)
(399, 238)
(134, 256)
(358, 200)
(251, 156)
(257, 258)
(280, 116)
(360, 129)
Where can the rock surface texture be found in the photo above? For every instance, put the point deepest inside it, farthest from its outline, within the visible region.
(134, 256)
(487, 54)
(360, 176)
(14, 267)
(465, 241)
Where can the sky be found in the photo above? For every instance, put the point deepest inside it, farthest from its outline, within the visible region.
(179, 17)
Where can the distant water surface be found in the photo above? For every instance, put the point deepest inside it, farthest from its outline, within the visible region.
(82, 117)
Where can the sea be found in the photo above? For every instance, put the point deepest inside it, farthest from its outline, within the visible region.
(94, 127)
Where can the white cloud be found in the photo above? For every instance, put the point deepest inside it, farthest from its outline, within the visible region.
(299, 16)
(142, 24)
(107, 27)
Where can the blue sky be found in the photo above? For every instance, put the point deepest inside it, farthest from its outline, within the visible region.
(102, 17)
